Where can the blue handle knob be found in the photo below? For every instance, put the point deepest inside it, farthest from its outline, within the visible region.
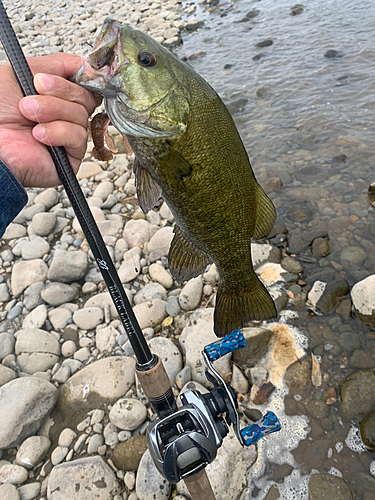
(235, 340)
(266, 425)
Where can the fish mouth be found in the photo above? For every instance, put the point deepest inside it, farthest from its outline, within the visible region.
(100, 68)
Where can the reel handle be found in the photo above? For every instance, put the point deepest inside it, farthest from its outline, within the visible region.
(235, 340)
(266, 425)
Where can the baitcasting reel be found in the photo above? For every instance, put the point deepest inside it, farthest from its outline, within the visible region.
(186, 440)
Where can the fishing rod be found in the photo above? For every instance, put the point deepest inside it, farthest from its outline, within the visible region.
(181, 441)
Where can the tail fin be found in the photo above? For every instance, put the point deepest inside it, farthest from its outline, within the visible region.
(234, 308)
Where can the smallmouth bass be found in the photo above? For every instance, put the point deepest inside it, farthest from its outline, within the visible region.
(188, 151)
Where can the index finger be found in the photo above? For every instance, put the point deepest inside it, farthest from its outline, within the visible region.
(57, 86)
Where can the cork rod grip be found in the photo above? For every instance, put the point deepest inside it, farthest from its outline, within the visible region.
(199, 486)
(155, 382)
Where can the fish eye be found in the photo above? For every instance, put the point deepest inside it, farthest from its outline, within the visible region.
(146, 59)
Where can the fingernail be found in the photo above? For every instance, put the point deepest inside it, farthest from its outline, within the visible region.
(31, 105)
(45, 81)
(39, 132)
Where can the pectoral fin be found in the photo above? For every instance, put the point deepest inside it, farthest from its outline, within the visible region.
(266, 215)
(173, 165)
(186, 261)
(148, 191)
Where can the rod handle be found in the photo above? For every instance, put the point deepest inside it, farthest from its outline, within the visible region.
(199, 486)
(233, 341)
(266, 425)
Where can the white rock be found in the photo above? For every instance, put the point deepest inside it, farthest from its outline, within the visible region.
(106, 338)
(212, 275)
(130, 268)
(68, 348)
(88, 318)
(165, 213)
(58, 454)
(198, 333)
(14, 474)
(97, 213)
(26, 273)
(48, 197)
(120, 248)
(36, 318)
(239, 382)
(66, 437)
(104, 190)
(43, 223)
(150, 484)
(29, 491)
(35, 249)
(112, 226)
(86, 384)
(129, 480)
(6, 375)
(128, 414)
(9, 492)
(95, 441)
(37, 350)
(169, 354)
(32, 450)
(88, 169)
(161, 239)
(136, 232)
(62, 374)
(97, 416)
(59, 318)
(68, 266)
(56, 293)
(260, 253)
(363, 298)
(91, 476)
(4, 292)
(316, 292)
(14, 231)
(161, 275)
(150, 313)
(149, 292)
(191, 294)
(7, 342)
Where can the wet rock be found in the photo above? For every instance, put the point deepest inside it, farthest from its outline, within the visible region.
(128, 414)
(322, 486)
(345, 308)
(273, 493)
(264, 43)
(82, 479)
(26, 273)
(348, 341)
(291, 265)
(24, 403)
(298, 374)
(320, 247)
(150, 313)
(331, 53)
(197, 333)
(257, 344)
(366, 481)
(117, 376)
(236, 106)
(296, 9)
(252, 13)
(227, 473)
(150, 484)
(56, 294)
(367, 429)
(363, 298)
(169, 354)
(361, 359)
(274, 184)
(68, 267)
(300, 213)
(193, 24)
(297, 243)
(357, 394)
(323, 296)
(127, 455)
(317, 409)
(353, 254)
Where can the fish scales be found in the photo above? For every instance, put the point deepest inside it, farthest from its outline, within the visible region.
(187, 147)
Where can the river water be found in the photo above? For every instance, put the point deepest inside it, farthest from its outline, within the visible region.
(308, 120)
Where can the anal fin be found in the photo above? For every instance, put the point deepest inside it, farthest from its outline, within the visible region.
(266, 215)
(186, 260)
(148, 191)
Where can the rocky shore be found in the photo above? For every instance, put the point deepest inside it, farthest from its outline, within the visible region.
(73, 416)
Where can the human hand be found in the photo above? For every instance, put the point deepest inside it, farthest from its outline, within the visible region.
(61, 110)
